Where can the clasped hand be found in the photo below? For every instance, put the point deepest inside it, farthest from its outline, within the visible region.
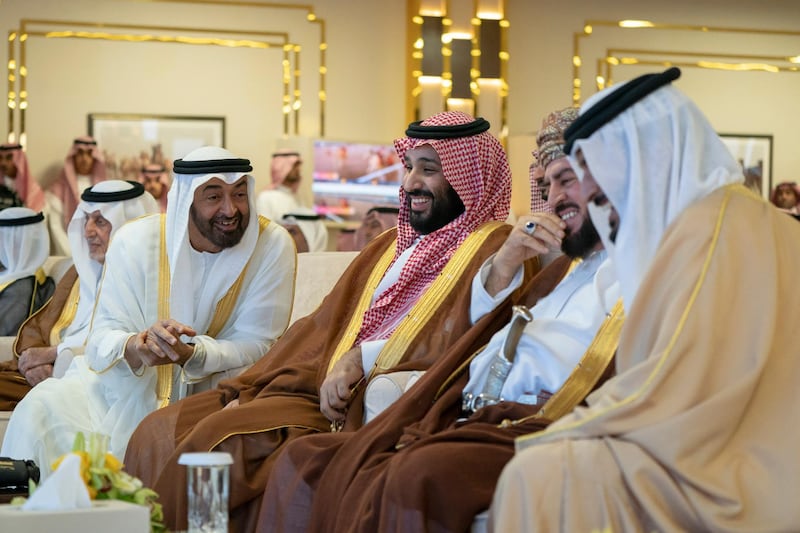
(340, 384)
(36, 364)
(160, 344)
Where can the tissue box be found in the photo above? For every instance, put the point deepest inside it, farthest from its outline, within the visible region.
(104, 515)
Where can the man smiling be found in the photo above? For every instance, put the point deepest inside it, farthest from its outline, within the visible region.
(186, 300)
(398, 306)
(420, 466)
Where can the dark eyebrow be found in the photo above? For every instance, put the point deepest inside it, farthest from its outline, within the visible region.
(561, 172)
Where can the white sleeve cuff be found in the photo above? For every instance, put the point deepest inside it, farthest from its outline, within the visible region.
(193, 368)
(370, 350)
(481, 302)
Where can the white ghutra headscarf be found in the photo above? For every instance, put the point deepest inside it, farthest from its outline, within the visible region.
(24, 243)
(652, 160)
(118, 202)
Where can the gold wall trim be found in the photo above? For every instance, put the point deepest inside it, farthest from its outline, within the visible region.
(310, 17)
(17, 101)
(668, 58)
(414, 60)
(604, 65)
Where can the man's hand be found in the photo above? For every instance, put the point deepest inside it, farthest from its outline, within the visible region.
(38, 374)
(32, 357)
(231, 404)
(521, 246)
(338, 387)
(160, 344)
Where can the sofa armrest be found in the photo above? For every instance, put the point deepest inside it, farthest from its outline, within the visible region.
(317, 273)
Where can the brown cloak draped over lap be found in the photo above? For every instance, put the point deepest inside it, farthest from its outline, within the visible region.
(279, 394)
(34, 333)
(344, 473)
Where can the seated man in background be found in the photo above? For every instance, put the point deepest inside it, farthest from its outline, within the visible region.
(84, 166)
(281, 196)
(399, 305)
(419, 467)
(24, 286)
(155, 179)
(187, 298)
(49, 339)
(307, 229)
(377, 220)
(786, 197)
(18, 188)
(692, 432)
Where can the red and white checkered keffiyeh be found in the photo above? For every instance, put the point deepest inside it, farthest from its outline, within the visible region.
(476, 167)
(536, 174)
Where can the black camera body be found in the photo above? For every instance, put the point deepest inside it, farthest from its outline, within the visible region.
(15, 473)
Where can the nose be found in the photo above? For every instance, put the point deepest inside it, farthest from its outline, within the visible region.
(412, 181)
(227, 208)
(555, 193)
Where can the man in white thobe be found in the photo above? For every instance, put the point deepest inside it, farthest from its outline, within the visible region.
(187, 299)
(47, 342)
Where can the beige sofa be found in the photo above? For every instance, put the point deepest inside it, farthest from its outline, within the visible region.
(317, 272)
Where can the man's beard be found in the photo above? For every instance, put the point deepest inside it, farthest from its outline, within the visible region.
(581, 242)
(443, 211)
(222, 239)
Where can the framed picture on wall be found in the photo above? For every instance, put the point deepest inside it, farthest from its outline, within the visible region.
(131, 140)
(754, 154)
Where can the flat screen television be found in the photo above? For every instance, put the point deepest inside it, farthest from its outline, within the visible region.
(350, 178)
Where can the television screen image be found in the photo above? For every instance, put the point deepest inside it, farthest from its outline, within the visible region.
(350, 178)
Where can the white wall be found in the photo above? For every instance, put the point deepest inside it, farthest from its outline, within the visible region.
(366, 63)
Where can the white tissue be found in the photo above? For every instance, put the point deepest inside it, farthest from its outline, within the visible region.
(63, 489)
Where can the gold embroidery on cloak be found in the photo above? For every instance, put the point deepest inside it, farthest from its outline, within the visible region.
(68, 313)
(221, 313)
(584, 376)
(432, 299)
(471, 244)
(463, 366)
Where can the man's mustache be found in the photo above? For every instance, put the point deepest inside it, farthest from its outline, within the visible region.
(219, 218)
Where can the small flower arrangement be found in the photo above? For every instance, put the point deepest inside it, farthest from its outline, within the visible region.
(105, 480)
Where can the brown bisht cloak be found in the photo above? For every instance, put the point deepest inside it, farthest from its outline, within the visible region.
(346, 474)
(34, 333)
(279, 394)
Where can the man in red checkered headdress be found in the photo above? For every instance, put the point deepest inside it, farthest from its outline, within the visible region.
(403, 301)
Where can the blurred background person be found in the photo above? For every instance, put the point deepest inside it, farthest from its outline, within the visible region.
(18, 188)
(307, 229)
(155, 179)
(786, 197)
(376, 220)
(24, 247)
(281, 197)
(84, 166)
